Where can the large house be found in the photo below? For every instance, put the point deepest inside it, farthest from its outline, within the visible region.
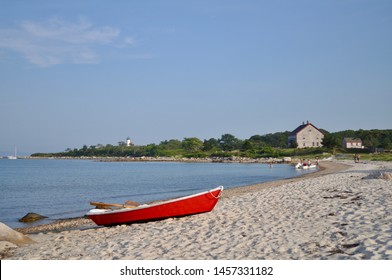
(352, 143)
(306, 136)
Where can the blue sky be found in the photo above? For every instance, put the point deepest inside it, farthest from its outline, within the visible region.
(76, 73)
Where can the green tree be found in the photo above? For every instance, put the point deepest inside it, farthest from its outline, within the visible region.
(293, 144)
(258, 141)
(330, 141)
(192, 144)
(247, 146)
(229, 143)
(172, 144)
(151, 150)
(210, 144)
(386, 143)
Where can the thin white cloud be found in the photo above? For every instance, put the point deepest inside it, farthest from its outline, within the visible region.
(57, 41)
(129, 40)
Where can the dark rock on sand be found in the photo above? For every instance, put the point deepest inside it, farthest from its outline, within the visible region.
(31, 217)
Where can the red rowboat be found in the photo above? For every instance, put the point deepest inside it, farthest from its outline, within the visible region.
(178, 207)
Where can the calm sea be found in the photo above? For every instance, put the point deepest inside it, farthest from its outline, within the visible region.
(63, 188)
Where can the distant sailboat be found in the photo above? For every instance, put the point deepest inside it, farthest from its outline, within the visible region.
(14, 156)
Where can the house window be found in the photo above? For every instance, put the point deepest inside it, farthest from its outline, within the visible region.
(304, 144)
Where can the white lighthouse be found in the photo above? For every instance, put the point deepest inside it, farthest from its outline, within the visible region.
(129, 143)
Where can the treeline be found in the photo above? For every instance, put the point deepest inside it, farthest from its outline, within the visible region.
(371, 139)
(257, 146)
(226, 145)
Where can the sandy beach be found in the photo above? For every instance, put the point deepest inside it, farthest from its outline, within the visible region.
(344, 211)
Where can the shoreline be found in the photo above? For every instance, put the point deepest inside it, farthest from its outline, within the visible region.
(80, 223)
(325, 168)
(231, 159)
(72, 222)
(344, 211)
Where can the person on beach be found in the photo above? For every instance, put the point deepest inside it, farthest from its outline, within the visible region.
(317, 161)
(309, 162)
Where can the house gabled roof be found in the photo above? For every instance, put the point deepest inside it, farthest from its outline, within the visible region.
(301, 127)
(352, 140)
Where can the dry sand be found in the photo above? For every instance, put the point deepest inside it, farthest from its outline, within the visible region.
(343, 211)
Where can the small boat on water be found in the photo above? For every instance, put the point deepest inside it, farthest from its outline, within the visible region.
(14, 156)
(178, 207)
(305, 166)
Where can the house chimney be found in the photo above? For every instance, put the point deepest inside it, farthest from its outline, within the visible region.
(307, 122)
(303, 123)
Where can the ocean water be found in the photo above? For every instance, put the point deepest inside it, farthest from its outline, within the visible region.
(63, 188)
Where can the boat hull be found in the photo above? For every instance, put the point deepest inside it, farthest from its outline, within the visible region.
(189, 205)
(299, 166)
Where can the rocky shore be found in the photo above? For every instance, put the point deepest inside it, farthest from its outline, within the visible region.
(232, 159)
